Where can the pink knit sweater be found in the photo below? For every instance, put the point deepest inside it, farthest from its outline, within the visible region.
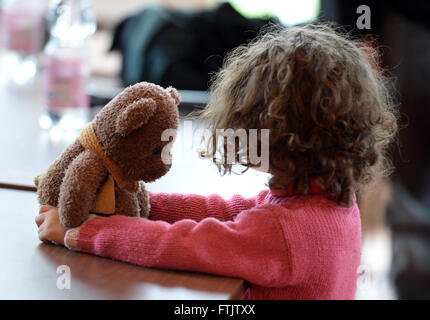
(285, 246)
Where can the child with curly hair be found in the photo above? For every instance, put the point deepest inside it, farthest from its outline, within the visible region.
(331, 119)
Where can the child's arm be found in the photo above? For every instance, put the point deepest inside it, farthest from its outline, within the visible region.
(172, 207)
(252, 247)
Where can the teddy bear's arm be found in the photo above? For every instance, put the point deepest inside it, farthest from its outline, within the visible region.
(48, 183)
(78, 190)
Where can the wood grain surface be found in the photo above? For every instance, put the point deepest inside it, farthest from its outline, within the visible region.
(28, 268)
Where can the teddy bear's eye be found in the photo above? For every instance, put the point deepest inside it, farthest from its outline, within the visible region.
(156, 150)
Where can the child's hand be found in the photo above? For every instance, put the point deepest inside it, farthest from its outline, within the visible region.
(50, 229)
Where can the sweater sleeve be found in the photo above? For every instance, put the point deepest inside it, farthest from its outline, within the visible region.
(252, 247)
(172, 207)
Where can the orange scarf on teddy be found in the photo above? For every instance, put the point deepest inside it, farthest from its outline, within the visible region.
(105, 199)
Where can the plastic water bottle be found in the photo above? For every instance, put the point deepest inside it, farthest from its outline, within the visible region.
(21, 36)
(66, 61)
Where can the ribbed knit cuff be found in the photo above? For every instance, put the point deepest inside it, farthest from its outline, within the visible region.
(72, 236)
(71, 239)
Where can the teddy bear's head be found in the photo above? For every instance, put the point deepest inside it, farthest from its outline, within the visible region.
(130, 128)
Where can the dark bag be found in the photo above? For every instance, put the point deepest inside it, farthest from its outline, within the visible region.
(180, 49)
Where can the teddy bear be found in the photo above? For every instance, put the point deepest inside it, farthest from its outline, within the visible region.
(105, 169)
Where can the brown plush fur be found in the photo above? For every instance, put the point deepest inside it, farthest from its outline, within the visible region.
(129, 131)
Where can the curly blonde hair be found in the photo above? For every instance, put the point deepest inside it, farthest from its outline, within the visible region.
(327, 105)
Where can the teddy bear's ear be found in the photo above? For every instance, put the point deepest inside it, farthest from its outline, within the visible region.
(135, 116)
(174, 94)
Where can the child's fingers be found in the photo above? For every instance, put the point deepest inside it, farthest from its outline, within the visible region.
(39, 219)
(45, 208)
(41, 228)
(43, 235)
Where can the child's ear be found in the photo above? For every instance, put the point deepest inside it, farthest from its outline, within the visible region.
(135, 116)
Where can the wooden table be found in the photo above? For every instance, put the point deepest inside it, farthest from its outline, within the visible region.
(28, 268)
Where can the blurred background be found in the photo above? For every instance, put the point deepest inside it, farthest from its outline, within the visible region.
(62, 60)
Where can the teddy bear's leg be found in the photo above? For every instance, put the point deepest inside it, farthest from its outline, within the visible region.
(143, 198)
(126, 203)
(78, 191)
(48, 183)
